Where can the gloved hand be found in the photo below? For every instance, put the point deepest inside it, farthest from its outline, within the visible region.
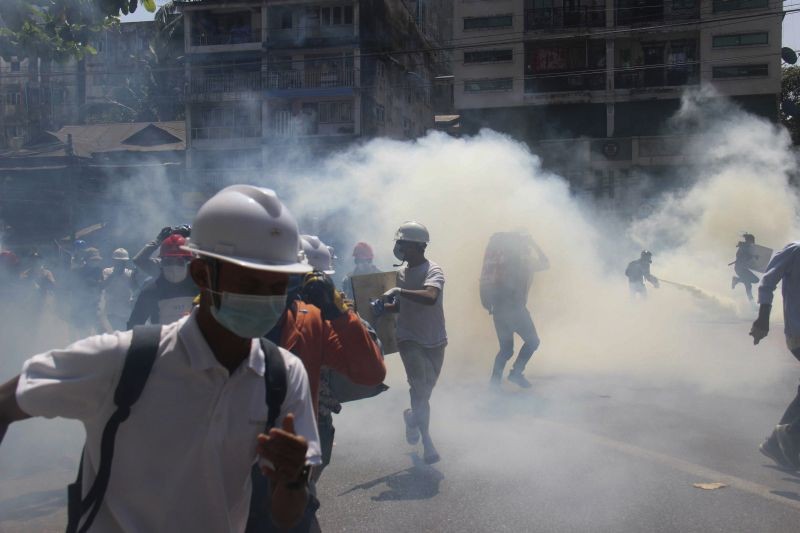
(163, 234)
(185, 230)
(392, 294)
(319, 291)
(760, 327)
(377, 306)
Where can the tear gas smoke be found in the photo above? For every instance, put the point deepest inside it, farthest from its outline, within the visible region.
(466, 189)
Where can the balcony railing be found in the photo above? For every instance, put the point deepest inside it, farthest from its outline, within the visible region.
(557, 17)
(225, 84)
(222, 83)
(234, 36)
(565, 82)
(226, 132)
(310, 79)
(311, 34)
(644, 77)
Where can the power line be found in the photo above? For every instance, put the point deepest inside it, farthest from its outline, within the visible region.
(715, 23)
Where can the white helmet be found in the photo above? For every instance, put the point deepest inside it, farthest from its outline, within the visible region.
(412, 232)
(317, 254)
(250, 227)
(120, 254)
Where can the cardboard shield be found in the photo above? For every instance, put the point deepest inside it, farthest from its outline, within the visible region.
(367, 287)
(760, 259)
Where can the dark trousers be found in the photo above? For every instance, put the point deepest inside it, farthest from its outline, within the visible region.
(792, 414)
(507, 322)
(746, 278)
(423, 366)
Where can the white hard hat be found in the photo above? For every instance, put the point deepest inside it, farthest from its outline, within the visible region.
(250, 227)
(317, 254)
(120, 254)
(413, 232)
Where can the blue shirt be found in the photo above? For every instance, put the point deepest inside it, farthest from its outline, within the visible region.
(782, 269)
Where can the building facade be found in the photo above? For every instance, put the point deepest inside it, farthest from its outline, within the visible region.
(608, 74)
(37, 96)
(265, 76)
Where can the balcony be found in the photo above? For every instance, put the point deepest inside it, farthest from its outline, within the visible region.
(234, 36)
(643, 12)
(219, 84)
(553, 18)
(311, 36)
(651, 77)
(310, 79)
(225, 132)
(565, 82)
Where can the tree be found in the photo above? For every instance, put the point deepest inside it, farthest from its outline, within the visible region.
(58, 29)
(153, 89)
(790, 101)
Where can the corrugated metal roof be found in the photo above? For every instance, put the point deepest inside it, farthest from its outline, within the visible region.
(97, 138)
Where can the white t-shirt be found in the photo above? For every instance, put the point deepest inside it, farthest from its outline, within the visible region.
(182, 460)
(423, 324)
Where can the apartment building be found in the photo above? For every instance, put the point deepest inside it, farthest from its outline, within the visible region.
(606, 75)
(38, 95)
(35, 95)
(265, 76)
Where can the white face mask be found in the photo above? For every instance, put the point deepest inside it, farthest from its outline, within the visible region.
(248, 316)
(174, 273)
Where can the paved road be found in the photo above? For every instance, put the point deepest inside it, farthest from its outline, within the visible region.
(600, 452)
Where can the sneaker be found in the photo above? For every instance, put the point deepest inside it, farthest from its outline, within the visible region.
(430, 455)
(789, 445)
(412, 431)
(771, 449)
(519, 379)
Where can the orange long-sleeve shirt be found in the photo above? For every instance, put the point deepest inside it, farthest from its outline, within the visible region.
(343, 344)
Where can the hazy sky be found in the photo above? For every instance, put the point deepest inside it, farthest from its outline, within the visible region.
(791, 25)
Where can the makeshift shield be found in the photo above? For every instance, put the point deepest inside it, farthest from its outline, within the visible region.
(367, 287)
(760, 258)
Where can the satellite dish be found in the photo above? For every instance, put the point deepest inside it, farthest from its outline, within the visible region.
(788, 55)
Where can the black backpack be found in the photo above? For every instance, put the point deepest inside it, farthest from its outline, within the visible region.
(138, 364)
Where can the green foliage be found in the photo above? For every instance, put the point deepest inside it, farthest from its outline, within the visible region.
(58, 29)
(790, 98)
(153, 88)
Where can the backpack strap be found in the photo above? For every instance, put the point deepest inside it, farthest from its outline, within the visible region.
(138, 363)
(259, 520)
(275, 377)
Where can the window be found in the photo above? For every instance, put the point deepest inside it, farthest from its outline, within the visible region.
(495, 84)
(732, 5)
(336, 15)
(286, 20)
(15, 65)
(740, 71)
(380, 113)
(684, 4)
(488, 56)
(13, 98)
(740, 39)
(496, 21)
(335, 112)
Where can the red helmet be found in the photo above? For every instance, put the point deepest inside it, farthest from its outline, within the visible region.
(9, 258)
(171, 247)
(363, 250)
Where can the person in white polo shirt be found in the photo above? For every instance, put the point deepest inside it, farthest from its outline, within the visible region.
(421, 334)
(182, 459)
